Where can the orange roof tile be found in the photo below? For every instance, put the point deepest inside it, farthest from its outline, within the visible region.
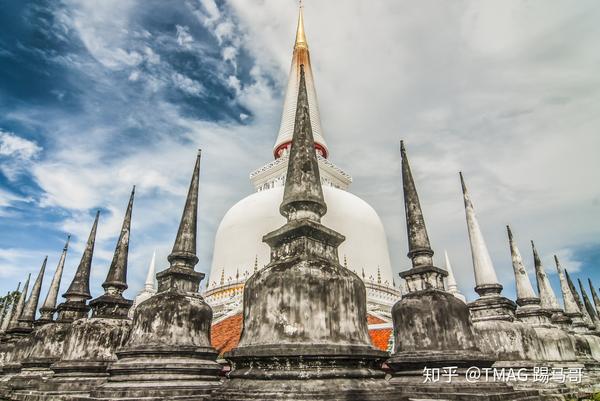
(225, 335)
(380, 338)
(374, 320)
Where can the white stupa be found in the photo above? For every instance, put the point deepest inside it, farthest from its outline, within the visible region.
(149, 288)
(239, 250)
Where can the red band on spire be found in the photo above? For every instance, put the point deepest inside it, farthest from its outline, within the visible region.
(286, 145)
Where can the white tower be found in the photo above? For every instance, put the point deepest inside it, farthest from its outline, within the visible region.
(238, 243)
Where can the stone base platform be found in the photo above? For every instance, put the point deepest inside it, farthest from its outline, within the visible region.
(351, 389)
(156, 374)
(293, 372)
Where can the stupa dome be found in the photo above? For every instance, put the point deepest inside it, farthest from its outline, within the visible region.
(238, 241)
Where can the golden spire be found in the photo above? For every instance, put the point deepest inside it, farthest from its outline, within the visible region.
(300, 36)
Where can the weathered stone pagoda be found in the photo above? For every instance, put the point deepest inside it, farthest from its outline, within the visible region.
(48, 339)
(432, 327)
(15, 340)
(305, 333)
(90, 343)
(168, 353)
(497, 330)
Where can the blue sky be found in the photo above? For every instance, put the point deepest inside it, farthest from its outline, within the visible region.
(96, 96)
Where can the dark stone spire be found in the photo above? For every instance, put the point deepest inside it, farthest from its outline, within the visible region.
(588, 305)
(28, 315)
(587, 319)
(548, 300)
(112, 304)
(303, 194)
(5, 306)
(11, 308)
(183, 257)
(429, 322)
(49, 307)
(419, 249)
(80, 286)
(117, 273)
(594, 295)
(79, 291)
(20, 305)
(184, 249)
(168, 353)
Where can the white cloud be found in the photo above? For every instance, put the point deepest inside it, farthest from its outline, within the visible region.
(14, 146)
(187, 85)
(184, 38)
(16, 154)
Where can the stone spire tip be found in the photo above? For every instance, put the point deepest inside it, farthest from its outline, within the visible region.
(117, 272)
(419, 247)
(184, 248)
(80, 286)
(303, 193)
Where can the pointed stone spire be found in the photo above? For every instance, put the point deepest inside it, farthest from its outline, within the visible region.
(116, 278)
(587, 319)
(571, 309)
(548, 299)
(20, 305)
(9, 313)
(451, 280)
(587, 304)
(423, 275)
(80, 286)
(184, 250)
(485, 275)
(181, 275)
(419, 249)
(5, 311)
(594, 296)
(49, 307)
(525, 293)
(28, 315)
(75, 306)
(112, 305)
(303, 194)
(149, 284)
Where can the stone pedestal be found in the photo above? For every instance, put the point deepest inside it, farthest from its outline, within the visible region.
(433, 330)
(305, 333)
(304, 345)
(16, 346)
(88, 349)
(168, 354)
(46, 348)
(497, 331)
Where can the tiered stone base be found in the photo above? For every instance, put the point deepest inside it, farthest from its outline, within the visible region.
(71, 379)
(332, 373)
(156, 374)
(409, 378)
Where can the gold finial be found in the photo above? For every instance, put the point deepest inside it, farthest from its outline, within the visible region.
(300, 35)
